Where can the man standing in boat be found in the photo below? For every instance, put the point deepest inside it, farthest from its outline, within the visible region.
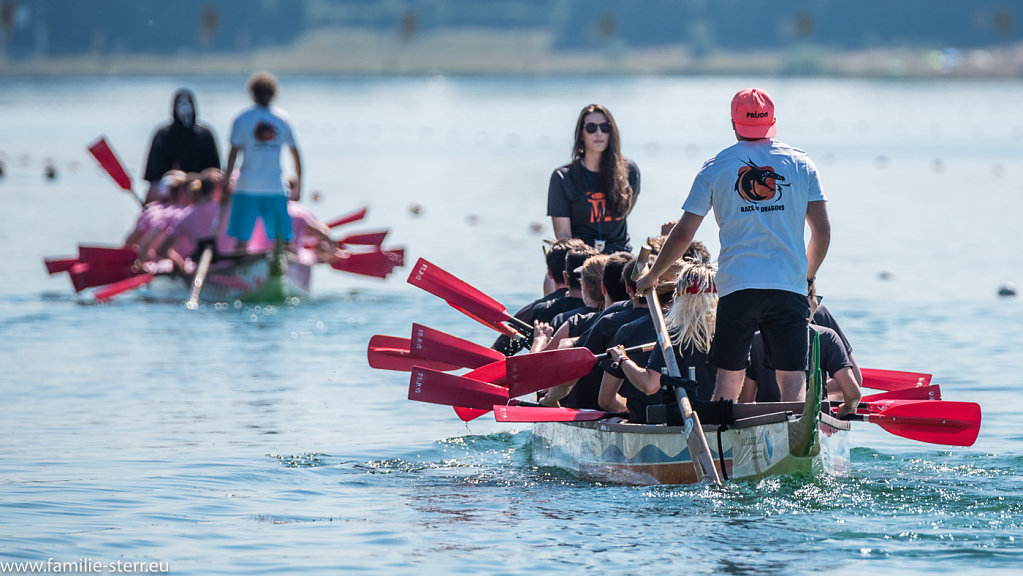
(762, 192)
(259, 134)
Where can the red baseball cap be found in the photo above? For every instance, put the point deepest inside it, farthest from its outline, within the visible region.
(753, 114)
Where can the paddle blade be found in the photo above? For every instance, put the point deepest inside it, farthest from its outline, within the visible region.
(533, 372)
(107, 255)
(85, 276)
(929, 392)
(103, 154)
(397, 255)
(347, 218)
(469, 414)
(392, 353)
(376, 264)
(58, 265)
(364, 239)
(950, 423)
(434, 387)
(109, 291)
(493, 373)
(542, 414)
(428, 343)
(454, 291)
(893, 379)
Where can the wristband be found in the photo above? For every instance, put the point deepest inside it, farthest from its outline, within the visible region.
(809, 281)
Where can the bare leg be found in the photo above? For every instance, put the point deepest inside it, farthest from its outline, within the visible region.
(729, 384)
(792, 385)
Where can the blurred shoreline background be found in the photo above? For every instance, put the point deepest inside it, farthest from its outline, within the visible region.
(868, 38)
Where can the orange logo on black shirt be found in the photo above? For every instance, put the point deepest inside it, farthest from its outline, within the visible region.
(265, 132)
(758, 183)
(598, 207)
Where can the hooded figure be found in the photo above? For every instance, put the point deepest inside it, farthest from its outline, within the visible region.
(182, 144)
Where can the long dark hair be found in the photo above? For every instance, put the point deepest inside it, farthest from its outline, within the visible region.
(614, 170)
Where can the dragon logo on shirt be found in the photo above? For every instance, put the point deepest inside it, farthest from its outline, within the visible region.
(758, 183)
(598, 207)
(265, 132)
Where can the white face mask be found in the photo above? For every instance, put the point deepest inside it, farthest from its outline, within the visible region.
(185, 112)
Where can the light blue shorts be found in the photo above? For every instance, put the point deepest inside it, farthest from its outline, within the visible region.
(273, 209)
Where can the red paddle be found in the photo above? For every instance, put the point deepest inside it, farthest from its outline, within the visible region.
(950, 423)
(464, 297)
(348, 218)
(392, 353)
(57, 265)
(929, 392)
(435, 387)
(493, 373)
(529, 373)
(428, 343)
(544, 414)
(107, 292)
(107, 255)
(364, 239)
(377, 264)
(893, 379)
(85, 275)
(103, 154)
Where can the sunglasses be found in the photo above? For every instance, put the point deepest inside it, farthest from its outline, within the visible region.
(592, 127)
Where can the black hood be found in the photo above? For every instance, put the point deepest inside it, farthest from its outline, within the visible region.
(187, 94)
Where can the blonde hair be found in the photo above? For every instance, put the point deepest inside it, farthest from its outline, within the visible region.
(694, 307)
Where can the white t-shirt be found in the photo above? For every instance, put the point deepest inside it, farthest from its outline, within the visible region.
(261, 133)
(759, 191)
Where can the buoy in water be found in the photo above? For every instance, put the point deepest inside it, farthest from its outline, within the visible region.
(50, 171)
(884, 275)
(536, 227)
(1008, 289)
(472, 219)
(415, 209)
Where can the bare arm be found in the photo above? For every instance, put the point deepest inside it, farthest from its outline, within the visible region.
(678, 241)
(608, 397)
(645, 380)
(297, 158)
(562, 227)
(850, 391)
(820, 236)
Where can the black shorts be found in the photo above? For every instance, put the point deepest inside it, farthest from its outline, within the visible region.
(781, 317)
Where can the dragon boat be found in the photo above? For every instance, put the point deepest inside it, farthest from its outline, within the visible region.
(769, 439)
(267, 277)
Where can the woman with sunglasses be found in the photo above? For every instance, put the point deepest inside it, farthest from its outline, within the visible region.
(590, 197)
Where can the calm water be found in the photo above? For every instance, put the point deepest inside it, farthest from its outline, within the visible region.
(257, 440)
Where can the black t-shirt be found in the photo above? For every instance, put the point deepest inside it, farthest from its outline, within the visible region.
(833, 359)
(597, 339)
(567, 315)
(546, 311)
(578, 194)
(823, 317)
(504, 344)
(706, 370)
(176, 147)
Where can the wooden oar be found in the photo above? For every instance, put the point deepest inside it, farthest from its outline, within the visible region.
(430, 344)
(103, 154)
(376, 264)
(465, 298)
(940, 422)
(929, 392)
(893, 379)
(347, 218)
(528, 373)
(393, 353)
(199, 280)
(703, 461)
(543, 414)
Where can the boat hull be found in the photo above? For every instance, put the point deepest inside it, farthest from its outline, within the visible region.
(256, 279)
(656, 454)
